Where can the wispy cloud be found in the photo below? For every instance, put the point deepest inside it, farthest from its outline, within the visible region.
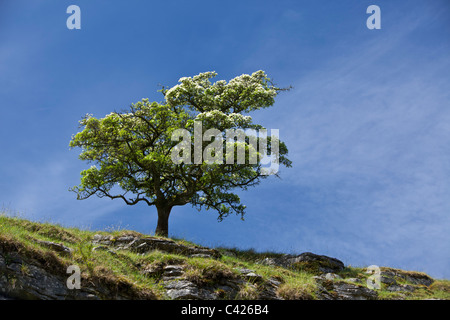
(371, 128)
(40, 191)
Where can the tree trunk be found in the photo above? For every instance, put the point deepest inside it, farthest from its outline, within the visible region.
(162, 228)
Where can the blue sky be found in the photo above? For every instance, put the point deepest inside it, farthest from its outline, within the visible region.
(367, 123)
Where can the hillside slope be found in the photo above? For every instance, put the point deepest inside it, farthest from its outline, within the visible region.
(40, 261)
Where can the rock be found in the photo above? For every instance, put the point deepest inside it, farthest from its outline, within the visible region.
(26, 278)
(348, 291)
(268, 290)
(417, 278)
(224, 288)
(332, 276)
(272, 262)
(100, 248)
(146, 244)
(324, 264)
(201, 255)
(58, 247)
(228, 288)
(23, 279)
(341, 290)
(274, 282)
(124, 240)
(357, 280)
(101, 239)
(224, 292)
(173, 271)
(153, 270)
(253, 277)
(307, 261)
(245, 271)
(400, 287)
(423, 279)
(387, 280)
(323, 293)
(104, 248)
(186, 290)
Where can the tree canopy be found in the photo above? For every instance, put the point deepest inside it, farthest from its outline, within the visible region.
(137, 155)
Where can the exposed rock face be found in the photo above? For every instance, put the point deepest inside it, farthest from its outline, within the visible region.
(348, 291)
(341, 290)
(308, 261)
(58, 247)
(22, 278)
(183, 290)
(401, 287)
(27, 278)
(146, 244)
(391, 276)
(180, 288)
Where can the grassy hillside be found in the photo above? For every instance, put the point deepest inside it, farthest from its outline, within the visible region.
(125, 269)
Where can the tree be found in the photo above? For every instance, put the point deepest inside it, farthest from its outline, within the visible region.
(136, 153)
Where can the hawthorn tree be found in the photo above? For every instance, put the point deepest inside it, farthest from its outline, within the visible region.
(133, 151)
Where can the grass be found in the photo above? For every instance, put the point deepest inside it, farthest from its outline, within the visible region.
(123, 270)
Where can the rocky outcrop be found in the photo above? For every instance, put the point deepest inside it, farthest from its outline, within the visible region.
(392, 276)
(307, 261)
(24, 275)
(328, 289)
(58, 247)
(27, 276)
(146, 244)
(29, 279)
(181, 288)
